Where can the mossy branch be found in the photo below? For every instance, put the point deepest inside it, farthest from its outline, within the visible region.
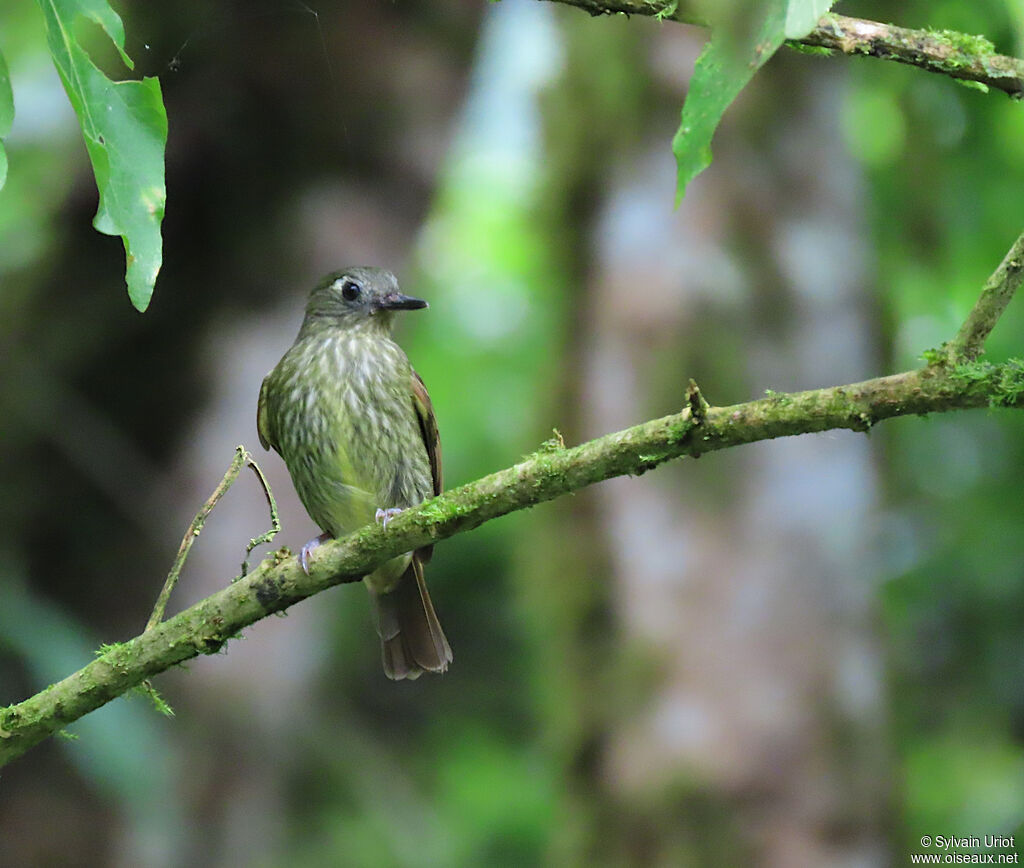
(961, 56)
(278, 582)
(946, 52)
(952, 381)
(996, 295)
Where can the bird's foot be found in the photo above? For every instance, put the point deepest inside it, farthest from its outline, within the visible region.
(304, 552)
(383, 516)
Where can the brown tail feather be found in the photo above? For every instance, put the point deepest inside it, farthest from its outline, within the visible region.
(412, 640)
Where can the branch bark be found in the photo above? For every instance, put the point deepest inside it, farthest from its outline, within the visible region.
(279, 582)
(946, 52)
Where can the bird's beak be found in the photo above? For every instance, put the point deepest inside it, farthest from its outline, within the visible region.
(397, 301)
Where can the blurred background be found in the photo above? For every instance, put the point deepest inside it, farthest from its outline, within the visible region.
(804, 652)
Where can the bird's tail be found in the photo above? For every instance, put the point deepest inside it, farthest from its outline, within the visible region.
(411, 637)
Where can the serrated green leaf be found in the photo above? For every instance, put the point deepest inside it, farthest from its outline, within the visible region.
(125, 130)
(802, 15)
(726, 64)
(6, 114)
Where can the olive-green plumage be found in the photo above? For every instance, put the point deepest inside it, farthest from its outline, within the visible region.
(354, 425)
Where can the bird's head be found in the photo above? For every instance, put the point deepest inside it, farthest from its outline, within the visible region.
(359, 296)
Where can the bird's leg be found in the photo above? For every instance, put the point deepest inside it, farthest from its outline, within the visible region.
(308, 547)
(383, 516)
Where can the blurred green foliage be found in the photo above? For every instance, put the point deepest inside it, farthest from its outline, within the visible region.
(489, 765)
(6, 115)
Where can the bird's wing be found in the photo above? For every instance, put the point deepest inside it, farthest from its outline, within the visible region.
(428, 427)
(263, 419)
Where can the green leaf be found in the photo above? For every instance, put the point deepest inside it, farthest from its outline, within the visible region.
(727, 63)
(802, 15)
(125, 129)
(6, 114)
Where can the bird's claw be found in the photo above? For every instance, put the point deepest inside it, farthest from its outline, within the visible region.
(383, 516)
(304, 552)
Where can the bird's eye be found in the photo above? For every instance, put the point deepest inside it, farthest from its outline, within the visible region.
(350, 290)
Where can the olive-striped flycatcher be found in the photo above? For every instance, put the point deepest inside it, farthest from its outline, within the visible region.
(355, 427)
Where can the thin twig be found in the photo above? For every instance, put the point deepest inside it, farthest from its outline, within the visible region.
(995, 296)
(193, 531)
(275, 521)
(695, 401)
